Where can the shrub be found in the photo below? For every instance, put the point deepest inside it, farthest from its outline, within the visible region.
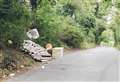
(88, 22)
(59, 29)
(72, 36)
(116, 27)
(107, 38)
(15, 18)
(99, 28)
(47, 22)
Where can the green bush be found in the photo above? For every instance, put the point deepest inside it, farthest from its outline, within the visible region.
(88, 39)
(72, 23)
(72, 36)
(47, 22)
(116, 27)
(59, 29)
(107, 38)
(15, 18)
(88, 22)
(99, 28)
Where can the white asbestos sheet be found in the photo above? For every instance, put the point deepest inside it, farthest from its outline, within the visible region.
(35, 50)
(33, 34)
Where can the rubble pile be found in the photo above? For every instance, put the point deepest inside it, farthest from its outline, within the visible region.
(34, 49)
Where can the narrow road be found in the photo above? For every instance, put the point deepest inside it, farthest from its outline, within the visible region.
(97, 64)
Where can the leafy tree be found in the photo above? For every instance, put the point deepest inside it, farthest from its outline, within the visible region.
(75, 23)
(14, 19)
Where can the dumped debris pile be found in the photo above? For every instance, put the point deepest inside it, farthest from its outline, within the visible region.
(34, 49)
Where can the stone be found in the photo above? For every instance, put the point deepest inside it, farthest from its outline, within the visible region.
(4, 76)
(10, 41)
(43, 67)
(12, 74)
(57, 52)
(22, 66)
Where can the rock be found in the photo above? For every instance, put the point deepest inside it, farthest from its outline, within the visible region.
(10, 41)
(18, 71)
(22, 66)
(12, 74)
(43, 67)
(4, 76)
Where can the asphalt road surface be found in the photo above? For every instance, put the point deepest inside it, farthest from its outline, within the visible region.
(97, 64)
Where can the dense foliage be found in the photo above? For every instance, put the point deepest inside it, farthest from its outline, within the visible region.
(71, 23)
(14, 19)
